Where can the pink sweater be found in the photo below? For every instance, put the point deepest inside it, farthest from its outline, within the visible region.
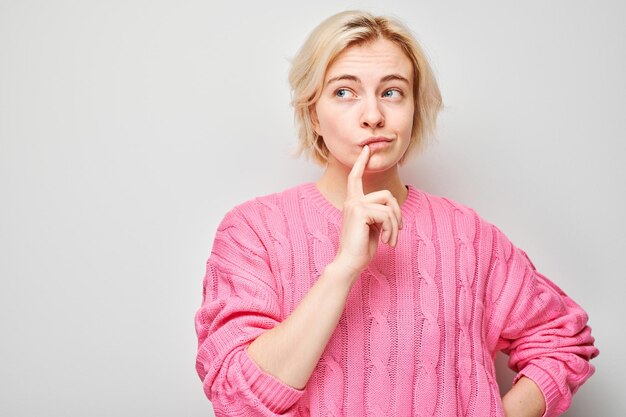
(420, 328)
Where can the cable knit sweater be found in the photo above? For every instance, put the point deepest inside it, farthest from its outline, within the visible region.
(421, 325)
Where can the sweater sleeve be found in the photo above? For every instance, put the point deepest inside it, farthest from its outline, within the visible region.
(240, 302)
(544, 332)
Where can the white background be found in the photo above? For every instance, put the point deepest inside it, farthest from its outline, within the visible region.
(129, 128)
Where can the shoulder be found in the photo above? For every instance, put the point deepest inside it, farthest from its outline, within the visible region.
(464, 219)
(470, 228)
(253, 226)
(444, 206)
(263, 211)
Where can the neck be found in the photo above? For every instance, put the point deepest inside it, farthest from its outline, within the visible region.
(333, 184)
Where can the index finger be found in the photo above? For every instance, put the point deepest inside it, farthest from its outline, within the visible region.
(355, 178)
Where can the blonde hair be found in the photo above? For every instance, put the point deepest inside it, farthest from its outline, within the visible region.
(326, 42)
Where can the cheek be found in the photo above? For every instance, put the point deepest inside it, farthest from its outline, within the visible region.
(405, 123)
(337, 143)
(334, 127)
(328, 121)
(337, 136)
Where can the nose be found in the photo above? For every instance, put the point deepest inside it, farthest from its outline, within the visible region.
(372, 115)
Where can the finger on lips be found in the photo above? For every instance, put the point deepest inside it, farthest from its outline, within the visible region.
(385, 213)
(355, 178)
(384, 210)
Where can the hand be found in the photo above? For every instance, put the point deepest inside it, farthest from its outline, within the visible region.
(366, 219)
(525, 399)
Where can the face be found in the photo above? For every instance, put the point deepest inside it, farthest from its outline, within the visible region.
(367, 98)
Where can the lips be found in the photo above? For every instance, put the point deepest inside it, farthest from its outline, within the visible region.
(372, 140)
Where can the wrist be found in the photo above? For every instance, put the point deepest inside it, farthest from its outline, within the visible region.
(524, 399)
(342, 271)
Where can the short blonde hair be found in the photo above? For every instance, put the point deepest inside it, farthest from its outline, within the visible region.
(326, 42)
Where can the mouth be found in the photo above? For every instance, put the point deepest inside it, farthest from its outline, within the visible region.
(373, 140)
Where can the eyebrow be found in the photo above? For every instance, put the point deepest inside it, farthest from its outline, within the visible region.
(390, 77)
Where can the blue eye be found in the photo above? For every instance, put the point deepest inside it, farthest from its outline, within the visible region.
(393, 93)
(343, 93)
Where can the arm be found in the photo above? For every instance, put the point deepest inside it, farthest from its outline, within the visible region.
(240, 301)
(543, 331)
(524, 399)
(291, 350)
(251, 361)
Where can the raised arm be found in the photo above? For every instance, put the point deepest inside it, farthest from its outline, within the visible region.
(291, 350)
(253, 362)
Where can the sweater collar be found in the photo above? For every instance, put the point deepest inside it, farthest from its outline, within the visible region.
(310, 191)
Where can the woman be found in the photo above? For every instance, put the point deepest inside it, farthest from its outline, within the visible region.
(359, 295)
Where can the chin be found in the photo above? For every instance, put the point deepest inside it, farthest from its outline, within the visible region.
(381, 164)
(380, 167)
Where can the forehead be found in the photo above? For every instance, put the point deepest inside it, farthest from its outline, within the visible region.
(378, 58)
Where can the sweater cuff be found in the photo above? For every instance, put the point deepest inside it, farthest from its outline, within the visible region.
(551, 393)
(273, 393)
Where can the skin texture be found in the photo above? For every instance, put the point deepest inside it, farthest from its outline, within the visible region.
(367, 94)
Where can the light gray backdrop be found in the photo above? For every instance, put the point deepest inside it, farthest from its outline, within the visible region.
(128, 129)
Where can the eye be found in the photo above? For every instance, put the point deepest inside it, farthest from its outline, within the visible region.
(343, 93)
(392, 93)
